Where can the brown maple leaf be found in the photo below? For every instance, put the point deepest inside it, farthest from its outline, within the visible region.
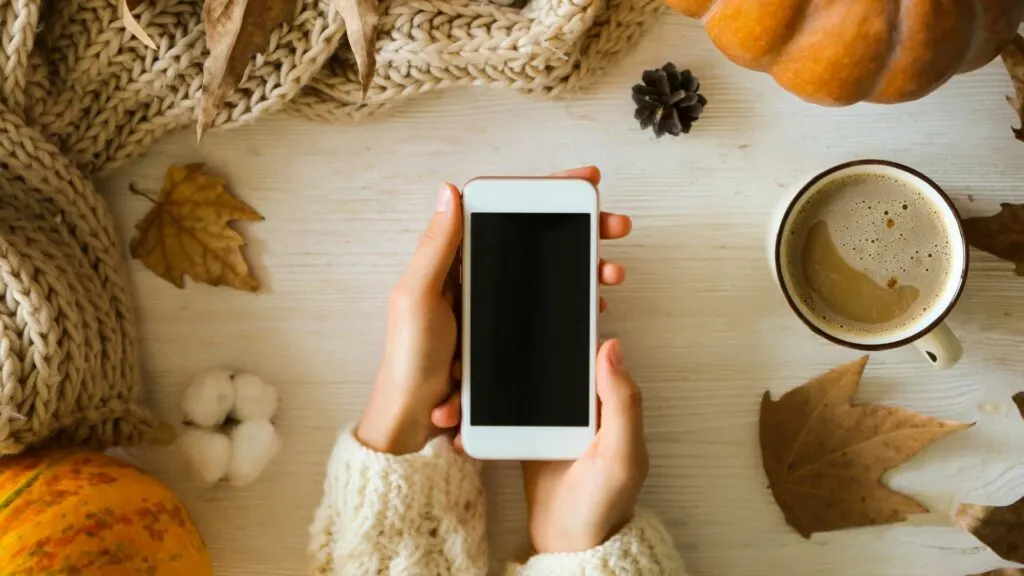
(1001, 528)
(360, 17)
(1013, 59)
(187, 232)
(1001, 234)
(235, 31)
(824, 457)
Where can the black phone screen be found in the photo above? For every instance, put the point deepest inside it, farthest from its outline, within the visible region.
(530, 319)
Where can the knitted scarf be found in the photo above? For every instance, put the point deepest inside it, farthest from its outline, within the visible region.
(80, 95)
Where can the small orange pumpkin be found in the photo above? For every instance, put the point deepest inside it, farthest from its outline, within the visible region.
(838, 52)
(84, 513)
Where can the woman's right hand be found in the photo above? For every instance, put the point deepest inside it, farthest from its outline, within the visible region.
(575, 506)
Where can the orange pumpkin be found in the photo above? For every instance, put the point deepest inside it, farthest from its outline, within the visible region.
(838, 52)
(76, 512)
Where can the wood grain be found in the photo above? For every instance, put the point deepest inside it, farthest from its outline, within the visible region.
(704, 327)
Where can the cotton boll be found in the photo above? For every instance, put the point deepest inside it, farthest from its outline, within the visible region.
(254, 443)
(208, 400)
(254, 398)
(207, 452)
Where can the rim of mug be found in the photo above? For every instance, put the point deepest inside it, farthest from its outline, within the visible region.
(810, 185)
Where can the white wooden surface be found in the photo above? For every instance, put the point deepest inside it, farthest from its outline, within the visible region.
(704, 328)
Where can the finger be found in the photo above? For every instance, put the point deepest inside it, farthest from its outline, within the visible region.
(589, 173)
(448, 414)
(457, 370)
(457, 443)
(602, 304)
(439, 244)
(611, 273)
(614, 226)
(452, 287)
(622, 427)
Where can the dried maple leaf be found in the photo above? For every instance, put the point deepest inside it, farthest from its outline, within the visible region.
(1001, 528)
(825, 457)
(235, 31)
(360, 17)
(187, 232)
(132, 25)
(1001, 234)
(1013, 59)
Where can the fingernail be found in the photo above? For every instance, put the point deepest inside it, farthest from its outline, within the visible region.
(615, 355)
(444, 198)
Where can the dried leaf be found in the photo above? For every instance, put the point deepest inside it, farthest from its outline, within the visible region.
(825, 457)
(1001, 528)
(1013, 59)
(360, 17)
(1001, 234)
(235, 31)
(187, 232)
(132, 25)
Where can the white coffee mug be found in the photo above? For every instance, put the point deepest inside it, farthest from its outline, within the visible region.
(929, 333)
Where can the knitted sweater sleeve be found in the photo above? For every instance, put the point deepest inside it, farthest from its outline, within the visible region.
(642, 548)
(420, 513)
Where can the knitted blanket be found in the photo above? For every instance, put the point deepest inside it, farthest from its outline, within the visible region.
(80, 95)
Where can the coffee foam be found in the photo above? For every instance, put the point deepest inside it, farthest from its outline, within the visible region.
(884, 227)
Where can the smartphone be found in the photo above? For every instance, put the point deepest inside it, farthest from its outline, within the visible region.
(529, 317)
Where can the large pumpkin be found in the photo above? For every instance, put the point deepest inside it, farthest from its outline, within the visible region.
(82, 513)
(838, 52)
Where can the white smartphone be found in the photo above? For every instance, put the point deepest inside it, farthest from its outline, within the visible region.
(529, 317)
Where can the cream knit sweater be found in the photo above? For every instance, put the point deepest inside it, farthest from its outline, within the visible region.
(423, 514)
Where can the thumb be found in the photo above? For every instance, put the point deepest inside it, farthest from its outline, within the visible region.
(622, 426)
(440, 242)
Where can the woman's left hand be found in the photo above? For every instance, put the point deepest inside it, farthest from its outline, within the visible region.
(416, 373)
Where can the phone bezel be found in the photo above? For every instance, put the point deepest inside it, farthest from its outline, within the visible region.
(527, 195)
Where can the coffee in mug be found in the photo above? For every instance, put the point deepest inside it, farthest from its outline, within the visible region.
(868, 253)
(871, 255)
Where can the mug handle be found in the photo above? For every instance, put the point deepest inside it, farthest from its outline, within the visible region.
(941, 347)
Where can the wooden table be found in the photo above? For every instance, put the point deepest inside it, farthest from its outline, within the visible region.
(705, 330)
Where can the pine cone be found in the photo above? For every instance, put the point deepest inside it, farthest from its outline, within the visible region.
(668, 100)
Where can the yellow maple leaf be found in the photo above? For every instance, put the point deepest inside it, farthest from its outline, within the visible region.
(187, 232)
